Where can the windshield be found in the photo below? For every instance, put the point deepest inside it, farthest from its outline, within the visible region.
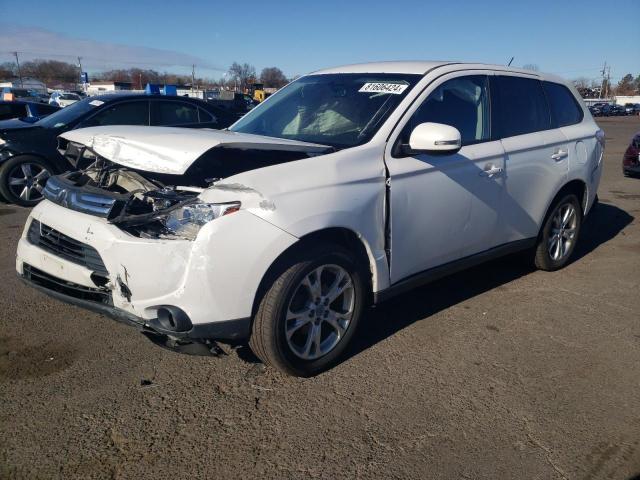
(69, 96)
(340, 110)
(68, 114)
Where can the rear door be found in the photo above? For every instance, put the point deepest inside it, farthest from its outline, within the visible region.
(585, 151)
(537, 154)
(445, 207)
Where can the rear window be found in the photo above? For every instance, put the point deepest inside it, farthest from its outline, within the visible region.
(521, 106)
(564, 108)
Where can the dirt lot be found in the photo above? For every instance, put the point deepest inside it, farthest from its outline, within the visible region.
(498, 372)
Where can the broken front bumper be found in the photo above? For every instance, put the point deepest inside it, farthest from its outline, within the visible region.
(211, 281)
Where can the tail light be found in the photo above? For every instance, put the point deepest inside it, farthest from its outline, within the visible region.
(600, 137)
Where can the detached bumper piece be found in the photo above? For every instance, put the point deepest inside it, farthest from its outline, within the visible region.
(172, 329)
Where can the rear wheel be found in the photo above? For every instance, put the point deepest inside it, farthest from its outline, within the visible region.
(22, 180)
(559, 234)
(309, 314)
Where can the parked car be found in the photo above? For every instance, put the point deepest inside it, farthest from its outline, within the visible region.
(631, 108)
(631, 158)
(26, 111)
(64, 99)
(21, 94)
(618, 111)
(595, 110)
(28, 152)
(349, 185)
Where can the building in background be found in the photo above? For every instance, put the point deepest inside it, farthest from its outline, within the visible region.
(98, 88)
(623, 99)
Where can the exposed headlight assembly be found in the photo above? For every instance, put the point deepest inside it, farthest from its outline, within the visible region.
(187, 220)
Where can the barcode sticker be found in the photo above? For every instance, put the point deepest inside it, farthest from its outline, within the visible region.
(375, 87)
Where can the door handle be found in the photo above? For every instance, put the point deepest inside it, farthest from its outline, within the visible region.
(559, 155)
(491, 171)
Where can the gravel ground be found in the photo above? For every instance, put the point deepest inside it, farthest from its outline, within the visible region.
(497, 372)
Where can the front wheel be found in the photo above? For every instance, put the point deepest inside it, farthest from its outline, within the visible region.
(307, 317)
(22, 180)
(559, 234)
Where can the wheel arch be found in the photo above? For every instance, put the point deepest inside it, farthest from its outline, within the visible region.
(575, 186)
(341, 236)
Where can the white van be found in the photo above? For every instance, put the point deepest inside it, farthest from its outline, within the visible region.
(346, 187)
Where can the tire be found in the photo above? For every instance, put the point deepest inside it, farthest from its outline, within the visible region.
(300, 354)
(22, 179)
(559, 234)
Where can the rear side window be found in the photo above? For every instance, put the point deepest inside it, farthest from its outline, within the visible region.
(521, 106)
(175, 113)
(564, 108)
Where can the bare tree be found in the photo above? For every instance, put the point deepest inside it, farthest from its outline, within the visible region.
(242, 74)
(51, 71)
(273, 77)
(7, 70)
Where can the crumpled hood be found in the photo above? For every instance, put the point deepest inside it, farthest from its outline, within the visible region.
(172, 150)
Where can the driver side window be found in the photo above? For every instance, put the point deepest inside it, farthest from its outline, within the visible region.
(462, 103)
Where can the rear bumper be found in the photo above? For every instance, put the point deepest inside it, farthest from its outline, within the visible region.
(631, 170)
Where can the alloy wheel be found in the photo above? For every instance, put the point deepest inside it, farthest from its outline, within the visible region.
(563, 231)
(320, 312)
(26, 181)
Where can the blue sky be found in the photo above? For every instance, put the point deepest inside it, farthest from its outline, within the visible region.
(563, 37)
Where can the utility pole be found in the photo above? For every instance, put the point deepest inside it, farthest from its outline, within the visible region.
(84, 85)
(606, 80)
(19, 72)
(193, 77)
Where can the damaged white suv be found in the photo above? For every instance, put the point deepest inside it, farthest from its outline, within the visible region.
(347, 186)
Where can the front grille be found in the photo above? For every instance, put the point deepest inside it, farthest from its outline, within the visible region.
(67, 288)
(64, 193)
(61, 245)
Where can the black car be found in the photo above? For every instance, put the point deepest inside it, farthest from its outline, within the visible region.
(27, 111)
(28, 151)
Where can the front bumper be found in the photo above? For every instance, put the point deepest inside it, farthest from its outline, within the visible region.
(213, 279)
(228, 330)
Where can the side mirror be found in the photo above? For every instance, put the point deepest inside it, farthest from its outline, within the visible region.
(434, 139)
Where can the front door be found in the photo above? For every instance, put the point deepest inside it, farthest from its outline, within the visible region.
(446, 207)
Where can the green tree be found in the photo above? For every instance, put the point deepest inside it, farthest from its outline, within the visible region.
(626, 85)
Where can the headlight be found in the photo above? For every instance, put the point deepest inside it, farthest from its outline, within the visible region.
(186, 221)
(2, 142)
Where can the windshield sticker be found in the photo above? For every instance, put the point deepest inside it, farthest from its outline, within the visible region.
(96, 103)
(375, 87)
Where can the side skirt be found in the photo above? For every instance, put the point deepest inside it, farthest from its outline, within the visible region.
(440, 271)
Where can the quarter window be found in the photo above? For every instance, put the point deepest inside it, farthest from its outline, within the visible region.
(462, 103)
(522, 107)
(564, 108)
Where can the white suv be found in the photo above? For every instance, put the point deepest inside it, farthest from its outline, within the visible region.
(346, 187)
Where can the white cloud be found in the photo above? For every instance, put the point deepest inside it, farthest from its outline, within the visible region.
(32, 42)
